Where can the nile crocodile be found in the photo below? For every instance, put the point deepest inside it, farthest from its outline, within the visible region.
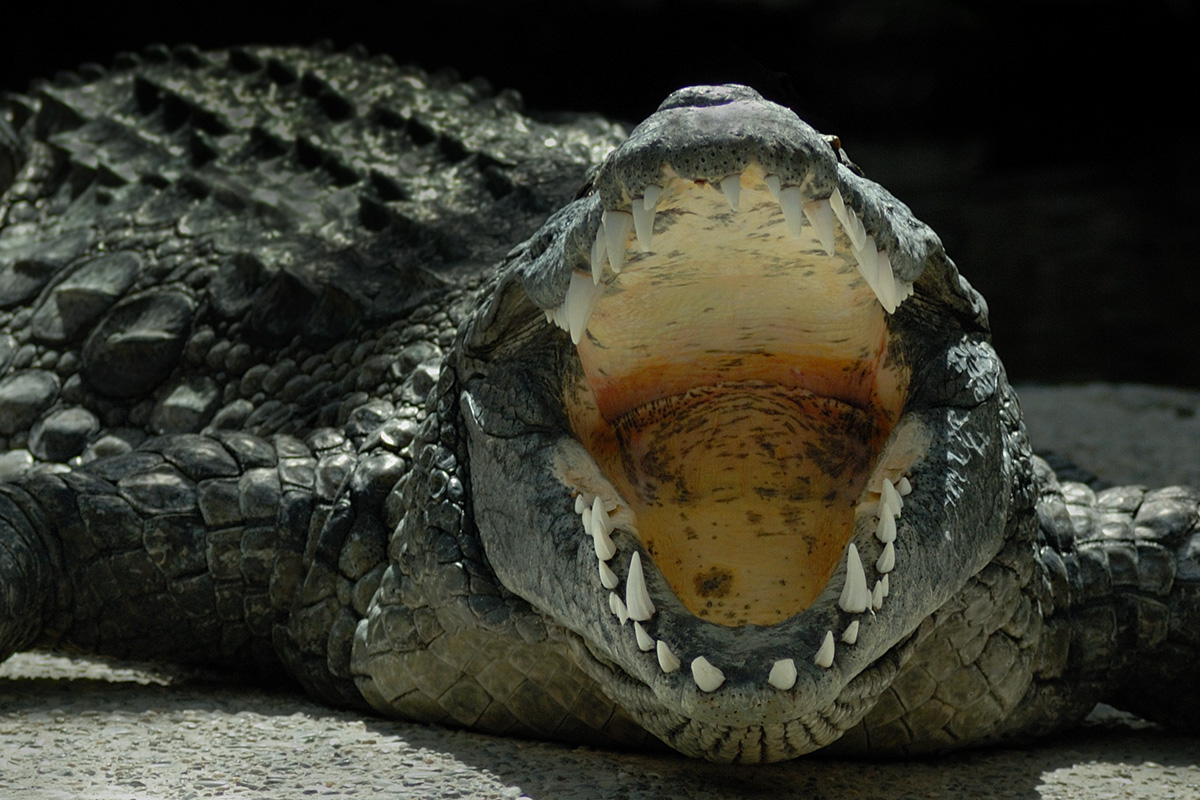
(719, 456)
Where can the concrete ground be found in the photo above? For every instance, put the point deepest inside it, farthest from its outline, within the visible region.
(80, 729)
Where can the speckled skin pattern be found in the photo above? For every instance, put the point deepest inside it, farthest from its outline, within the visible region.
(266, 402)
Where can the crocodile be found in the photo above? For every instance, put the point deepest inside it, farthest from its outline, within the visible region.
(332, 371)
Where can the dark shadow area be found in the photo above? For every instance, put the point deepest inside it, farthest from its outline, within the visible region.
(1044, 141)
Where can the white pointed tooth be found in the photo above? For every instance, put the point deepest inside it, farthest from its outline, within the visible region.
(850, 635)
(868, 265)
(599, 256)
(887, 559)
(586, 516)
(791, 202)
(877, 596)
(560, 316)
(855, 596)
(820, 216)
(903, 486)
(645, 641)
(783, 674)
(617, 225)
(650, 197)
(772, 182)
(637, 597)
(617, 606)
(643, 224)
(732, 187)
(839, 207)
(850, 221)
(549, 314)
(886, 588)
(580, 504)
(824, 656)
(708, 678)
(886, 530)
(599, 527)
(582, 295)
(666, 659)
(885, 287)
(608, 578)
(889, 497)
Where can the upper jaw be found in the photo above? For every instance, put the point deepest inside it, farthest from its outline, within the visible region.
(568, 541)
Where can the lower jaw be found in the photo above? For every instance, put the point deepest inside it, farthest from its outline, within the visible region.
(744, 493)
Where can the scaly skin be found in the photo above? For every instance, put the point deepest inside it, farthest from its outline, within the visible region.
(267, 404)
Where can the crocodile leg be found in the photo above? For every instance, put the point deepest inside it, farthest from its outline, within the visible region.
(229, 549)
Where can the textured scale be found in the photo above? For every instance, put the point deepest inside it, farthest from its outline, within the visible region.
(236, 415)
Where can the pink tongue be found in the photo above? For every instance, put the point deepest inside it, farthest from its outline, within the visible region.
(744, 494)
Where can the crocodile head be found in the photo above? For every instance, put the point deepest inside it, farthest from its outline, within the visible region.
(733, 427)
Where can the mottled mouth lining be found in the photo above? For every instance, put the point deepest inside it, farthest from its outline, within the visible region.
(736, 393)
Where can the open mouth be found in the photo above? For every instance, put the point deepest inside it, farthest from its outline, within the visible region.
(738, 394)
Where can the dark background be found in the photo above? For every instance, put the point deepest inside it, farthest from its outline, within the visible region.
(1050, 144)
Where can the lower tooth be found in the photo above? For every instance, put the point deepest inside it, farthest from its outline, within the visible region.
(645, 642)
(903, 486)
(850, 635)
(708, 678)
(617, 606)
(608, 578)
(666, 659)
(824, 656)
(887, 559)
(783, 674)
(877, 596)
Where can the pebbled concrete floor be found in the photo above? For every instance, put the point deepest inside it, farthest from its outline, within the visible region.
(74, 728)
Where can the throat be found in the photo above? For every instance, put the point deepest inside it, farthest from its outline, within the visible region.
(744, 493)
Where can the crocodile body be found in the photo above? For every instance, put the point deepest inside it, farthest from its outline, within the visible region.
(291, 380)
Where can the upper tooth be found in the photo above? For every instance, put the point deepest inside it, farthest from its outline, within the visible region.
(666, 659)
(582, 295)
(580, 504)
(886, 289)
(650, 196)
(599, 255)
(820, 216)
(783, 674)
(707, 677)
(732, 186)
(643, 224)
(886, 531)
(645, 642)
(772, 182)
(637, 598)
(850, 221)
(855, 595)
(824, 656)
(616, 231)
(792, 205)
(890, 497)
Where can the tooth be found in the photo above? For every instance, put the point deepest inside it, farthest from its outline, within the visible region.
(599, 254)
(903, 486)
(886, 588)
(886, 532)
(666, 659)
(608, 578)
(783, 674)
(891, 497)
(850, 635)
(617, 607)
(644, 640)
(820, 216)
(643, 224)
(637, 598)
(887, 559)
(732, 187)
(616, 232)
(708, 678)
(582, 295)
(792, 205)
(650, 197)
(580, 504)
(601, 541)
(772, 182)
(839, 207)
(560, 316)
(868, 265)
(824, 656)
(855, 595)
(877, 596)
(850, 221)
(886, 282)
(549, 314)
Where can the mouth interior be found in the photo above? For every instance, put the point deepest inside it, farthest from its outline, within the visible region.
(736, 390)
